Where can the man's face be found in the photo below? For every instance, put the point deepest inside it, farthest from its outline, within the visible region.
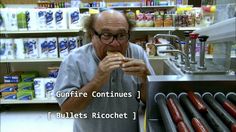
(110, 33)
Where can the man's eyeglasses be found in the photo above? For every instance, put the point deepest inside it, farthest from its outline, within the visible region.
(108, 38)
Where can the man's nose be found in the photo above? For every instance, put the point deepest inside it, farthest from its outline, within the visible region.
(115, 43)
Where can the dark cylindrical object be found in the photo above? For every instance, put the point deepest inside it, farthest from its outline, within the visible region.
(186, 50)
(181, 126)
(183, 114)
(192, 111)
(198, 125)
(176, 115)
(228, 106)
(165, 115)
(226, 118)
(232, 97)
(193, 37)
(212, 119)
(197, 102)
(202, 39)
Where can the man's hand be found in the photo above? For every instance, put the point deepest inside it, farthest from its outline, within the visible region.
(135, 67)
(106, 66)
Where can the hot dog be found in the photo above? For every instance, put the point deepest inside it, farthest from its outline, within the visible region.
(192, 111)
(181, 110)
(197, 103)
(176, 116)
(231, 108)
(218, 109)
(198, 126)
(181, 126)
(228, 106)
(165, 115)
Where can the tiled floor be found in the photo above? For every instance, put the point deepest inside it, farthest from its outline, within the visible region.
(34, 118)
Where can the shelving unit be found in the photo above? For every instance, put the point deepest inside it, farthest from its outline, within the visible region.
(42, 31)
(154, 29)
(31, 60)
(82, 30)
(187, 28)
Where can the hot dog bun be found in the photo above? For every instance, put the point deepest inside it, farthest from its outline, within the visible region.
(115, 53)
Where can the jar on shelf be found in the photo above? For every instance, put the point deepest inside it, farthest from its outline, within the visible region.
(159, 21)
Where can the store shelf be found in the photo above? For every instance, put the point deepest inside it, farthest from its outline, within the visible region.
(129, 7)
(224, 31)
(32, 60)
(79, 30)
(60, 59)
(42, 31)
(164, 28)
(154, 29)
(33, 101)
(187, 28)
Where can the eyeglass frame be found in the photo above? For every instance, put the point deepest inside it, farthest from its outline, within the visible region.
(114, 36)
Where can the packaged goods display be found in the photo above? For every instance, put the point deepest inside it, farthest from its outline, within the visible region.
(37, 48)
(22, 85)
(13, 19)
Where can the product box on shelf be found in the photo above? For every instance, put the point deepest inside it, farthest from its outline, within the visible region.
(8, 87)
(44, 87)
(43, 48)
(21, 20)
(13, 77)
(9, 95)
(53, 71)
(31, 18)
(25, 86)
(25, 95)
(52, 47)
(29, 76)
(51, 19)
(61, 18)
(63, 47)
(72, 43)
(20, 48)
(74, 16)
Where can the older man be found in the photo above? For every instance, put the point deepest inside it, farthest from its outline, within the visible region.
(104, 89)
